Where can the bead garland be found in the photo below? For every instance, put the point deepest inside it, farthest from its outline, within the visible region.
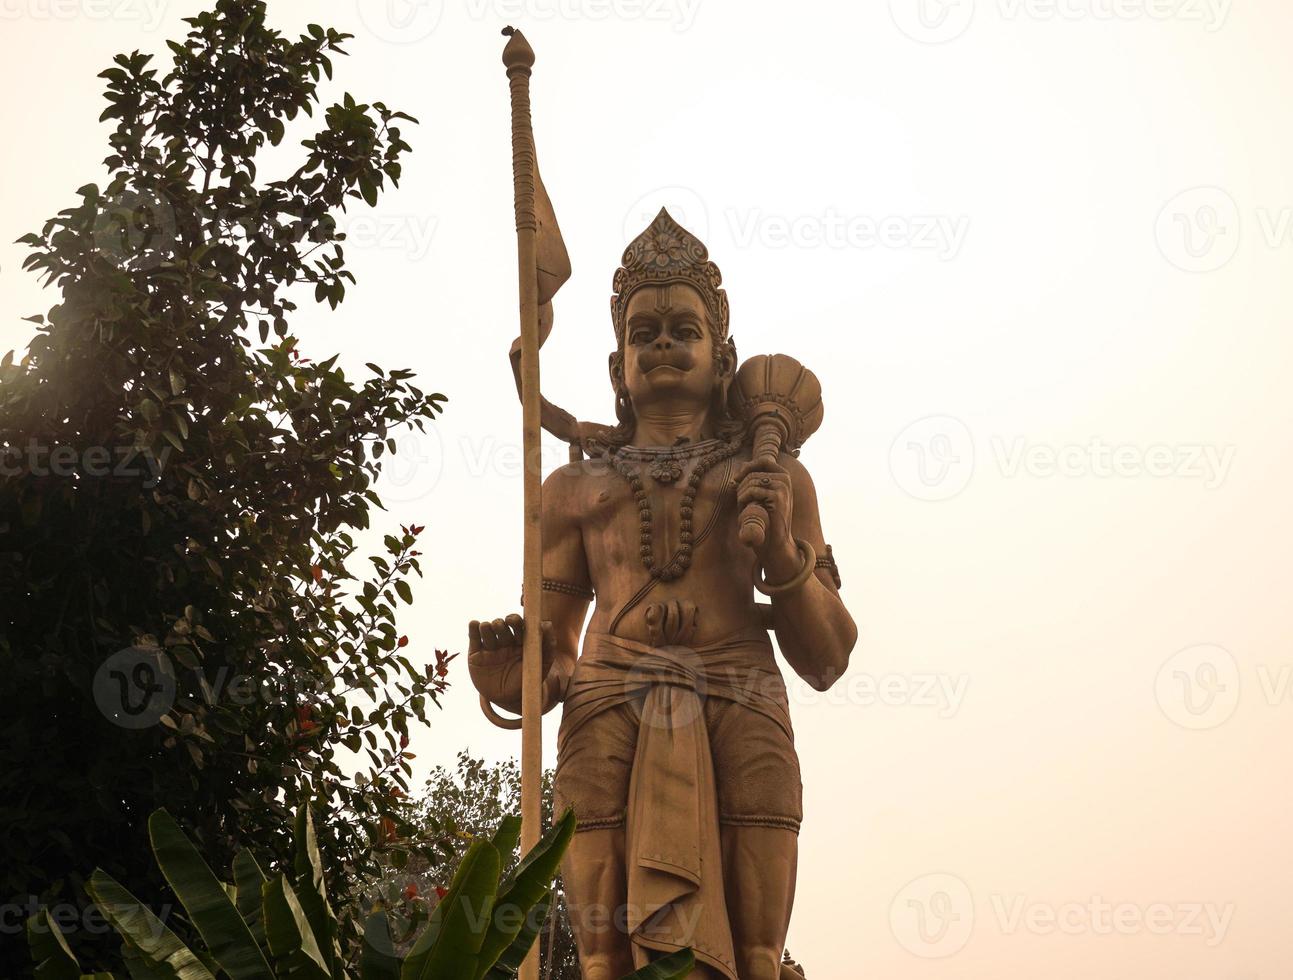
(681, 561)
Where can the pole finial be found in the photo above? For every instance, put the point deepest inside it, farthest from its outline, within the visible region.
(517, 53)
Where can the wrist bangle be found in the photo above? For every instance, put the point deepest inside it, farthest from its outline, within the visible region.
(808, 554)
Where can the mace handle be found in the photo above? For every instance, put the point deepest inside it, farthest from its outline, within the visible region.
(769, 436)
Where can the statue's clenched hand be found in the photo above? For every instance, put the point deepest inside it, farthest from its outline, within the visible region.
(494, 654)
(768, 485)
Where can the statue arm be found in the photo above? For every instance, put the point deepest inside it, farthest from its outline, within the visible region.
(494, 657)
(814, 629)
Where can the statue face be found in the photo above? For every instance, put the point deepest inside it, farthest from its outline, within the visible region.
(668, 345)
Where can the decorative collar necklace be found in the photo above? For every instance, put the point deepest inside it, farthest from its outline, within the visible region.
(665, 462)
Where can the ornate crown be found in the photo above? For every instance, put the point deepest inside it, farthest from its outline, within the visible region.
(667, 252)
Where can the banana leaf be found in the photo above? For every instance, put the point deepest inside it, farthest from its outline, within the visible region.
(212, 913)
(531, 882)
(507, 965)
(378, 961)
(288, 931)
(675, 966)
(507, 837)
(53, 957)
(449, 947)
(312, 888)
(248, 881)
(144, 934)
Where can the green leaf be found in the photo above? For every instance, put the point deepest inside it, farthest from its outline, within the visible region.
(308, 869)
(378, 961)
(402, 587)
(672, 967)
(507, 836)
(450, 944)
(507, 965)
(204, 898)
(49, 950)
(288, 932)
(528, 886)
(248, 880)
(144, 934)
(367, 188)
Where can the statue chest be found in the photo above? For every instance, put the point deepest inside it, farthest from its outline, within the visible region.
(666, 524)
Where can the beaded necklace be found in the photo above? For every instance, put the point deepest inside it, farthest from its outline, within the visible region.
(666, 468)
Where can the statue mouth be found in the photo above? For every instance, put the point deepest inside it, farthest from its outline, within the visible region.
(667, 365)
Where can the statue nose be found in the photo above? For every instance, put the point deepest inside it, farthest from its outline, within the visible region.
(664, 343)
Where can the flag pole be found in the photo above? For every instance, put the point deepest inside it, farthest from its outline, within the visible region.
(518, 57)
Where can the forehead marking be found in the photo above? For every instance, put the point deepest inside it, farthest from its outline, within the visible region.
(663, 298)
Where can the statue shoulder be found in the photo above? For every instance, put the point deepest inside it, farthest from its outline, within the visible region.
(567, 489)
(800, 478)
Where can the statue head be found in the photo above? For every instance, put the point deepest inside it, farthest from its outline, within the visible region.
(671, 322)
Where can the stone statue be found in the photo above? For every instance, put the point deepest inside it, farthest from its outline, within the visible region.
(675, 748)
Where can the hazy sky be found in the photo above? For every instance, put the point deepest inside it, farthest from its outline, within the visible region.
(1038, 254)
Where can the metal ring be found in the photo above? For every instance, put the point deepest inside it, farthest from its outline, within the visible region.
(809, 554)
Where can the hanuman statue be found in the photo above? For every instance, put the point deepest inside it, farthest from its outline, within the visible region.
(675, 749)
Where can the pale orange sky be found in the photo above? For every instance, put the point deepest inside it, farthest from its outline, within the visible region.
(1038, 255)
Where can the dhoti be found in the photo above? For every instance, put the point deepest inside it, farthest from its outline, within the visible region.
(670, 742)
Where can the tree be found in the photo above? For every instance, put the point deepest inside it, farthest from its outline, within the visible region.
(180, 622)
(457, 807)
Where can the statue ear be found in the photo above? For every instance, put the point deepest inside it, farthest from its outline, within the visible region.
(616, 366)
